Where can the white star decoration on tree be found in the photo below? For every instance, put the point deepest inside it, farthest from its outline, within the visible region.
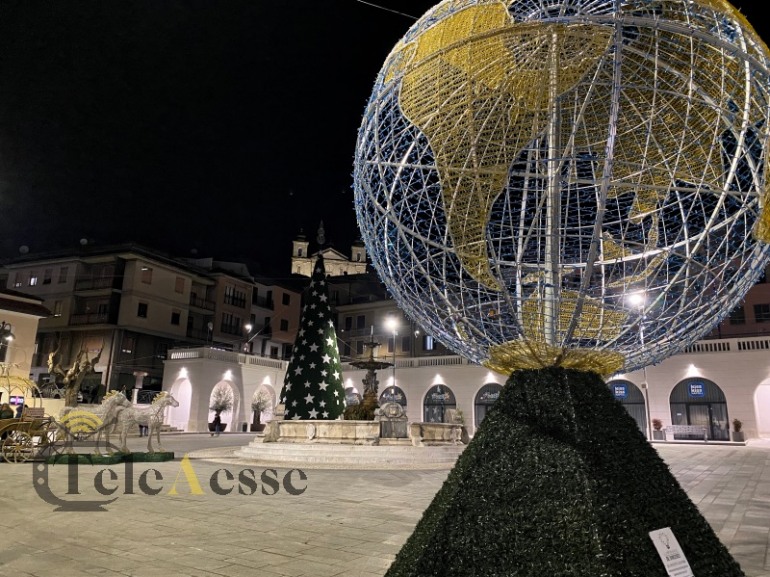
(316, 359)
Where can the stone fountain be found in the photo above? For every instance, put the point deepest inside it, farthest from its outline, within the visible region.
(372, 366)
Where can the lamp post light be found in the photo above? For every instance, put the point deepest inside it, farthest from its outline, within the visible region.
(639, 300)
(247, 344)
(392, 325)
(5, 331)
(6, 336)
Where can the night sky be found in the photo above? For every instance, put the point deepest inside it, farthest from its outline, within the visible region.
(217, 126)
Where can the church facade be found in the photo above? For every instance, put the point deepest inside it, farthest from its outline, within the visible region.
(336, 263)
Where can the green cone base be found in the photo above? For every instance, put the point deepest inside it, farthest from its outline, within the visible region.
(93, 459)
(558, 481)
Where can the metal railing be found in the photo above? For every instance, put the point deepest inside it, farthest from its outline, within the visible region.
(200, 334)
(84, 284)
(263, 302)
(202, 303)
(729, 345)
(90, 318)
(700, 347)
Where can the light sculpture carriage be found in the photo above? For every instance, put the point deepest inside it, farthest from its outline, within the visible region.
(568, 182)
(23, 437)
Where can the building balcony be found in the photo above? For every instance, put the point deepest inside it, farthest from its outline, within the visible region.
(199, 334)
(260, 330)
(263, 302)
(88, 284)
(202, 303)
(236, 302)
(364, 332)
(90, 318)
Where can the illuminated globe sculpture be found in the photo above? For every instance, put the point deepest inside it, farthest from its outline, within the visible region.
(576, 183)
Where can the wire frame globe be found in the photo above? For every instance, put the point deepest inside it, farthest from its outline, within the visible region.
(568, 182)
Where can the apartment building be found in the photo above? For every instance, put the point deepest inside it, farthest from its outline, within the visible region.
(127, 305)
(706, 387)
(751, 318)
(702, 386)
(258, 315)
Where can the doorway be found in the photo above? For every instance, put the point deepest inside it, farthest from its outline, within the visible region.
(632, 399)
(437, 400)
(700, 403)
(485, 400)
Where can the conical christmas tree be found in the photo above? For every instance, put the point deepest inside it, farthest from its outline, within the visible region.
(313, 386)
(559, 481)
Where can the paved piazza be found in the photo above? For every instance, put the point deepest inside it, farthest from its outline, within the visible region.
(344, 524)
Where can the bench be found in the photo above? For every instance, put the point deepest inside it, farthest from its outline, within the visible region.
(687, 432)
(34, 412)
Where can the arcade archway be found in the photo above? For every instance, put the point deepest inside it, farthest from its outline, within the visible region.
(352, 397)
(632, 399)
(179, 417)
(393, 394)
(485, 399)
(701, 403)
(438, 400)
(228, 417)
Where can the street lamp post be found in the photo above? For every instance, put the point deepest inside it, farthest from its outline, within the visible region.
(392, 325)
(246, 345)
(646, 390)
(639, 300)
(6, 336)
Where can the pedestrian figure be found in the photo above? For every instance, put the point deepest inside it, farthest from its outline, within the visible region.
(6, 412)
(217, 423)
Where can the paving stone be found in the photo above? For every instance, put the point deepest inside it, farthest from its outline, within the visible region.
(346, 524)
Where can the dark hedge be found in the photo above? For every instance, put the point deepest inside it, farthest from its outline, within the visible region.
(558, 481)
(94, 459)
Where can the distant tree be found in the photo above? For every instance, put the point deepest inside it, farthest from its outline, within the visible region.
(221, 400)
(313, 386)
(71, 378)
(260, 402)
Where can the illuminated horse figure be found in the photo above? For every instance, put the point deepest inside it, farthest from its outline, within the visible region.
(75, 423)
(114, 404)
(151, 417)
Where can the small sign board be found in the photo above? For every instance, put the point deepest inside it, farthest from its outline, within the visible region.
(489, 397)
(393, 395)
(620, 391)
(16, 400)
(697, 389)
(671, 553)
